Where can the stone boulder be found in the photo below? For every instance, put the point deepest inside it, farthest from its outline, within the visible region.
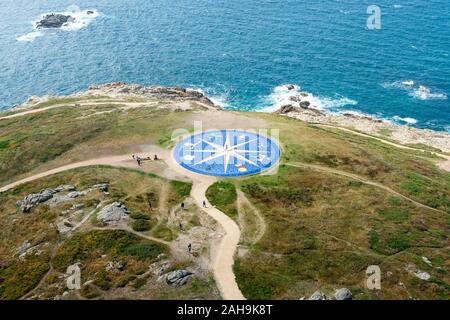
(23, 247)
(113, 213)
(305, 104)
(343, 294)
(73, 194)
(296, 98)
(178, 278)
(65, 187)
(318, 295)
(287, 109)
(422, 275)
(101, 186)
(34, 199)
(113, 266)
(54, 20)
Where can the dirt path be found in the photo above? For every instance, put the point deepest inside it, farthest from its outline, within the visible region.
(224, 259)
(445, 165)
(361, 179)
(261, 225)
(113, 161)
(70, 104)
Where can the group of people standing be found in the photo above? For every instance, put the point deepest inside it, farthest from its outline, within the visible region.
(139, 160)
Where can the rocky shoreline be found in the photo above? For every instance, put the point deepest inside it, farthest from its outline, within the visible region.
(301, 107)
(120, 90)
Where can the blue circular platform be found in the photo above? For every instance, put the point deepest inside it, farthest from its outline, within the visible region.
(227, 153)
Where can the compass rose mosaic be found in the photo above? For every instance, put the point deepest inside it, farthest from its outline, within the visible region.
(227, 153)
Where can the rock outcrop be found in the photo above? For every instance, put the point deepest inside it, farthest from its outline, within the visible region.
(23, 247)
(54, 20)
(50, 196)
(288, 108)
(318, 295)
(178, 278)
(120, 89)
(34, 199)
(343, 294)
(113, 213)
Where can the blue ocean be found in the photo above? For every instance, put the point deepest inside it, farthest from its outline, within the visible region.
(241, 53)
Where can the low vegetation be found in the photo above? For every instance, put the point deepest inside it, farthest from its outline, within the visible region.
(324, 231)
(223, 195)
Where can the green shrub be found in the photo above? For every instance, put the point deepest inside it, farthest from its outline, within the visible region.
(21, 276)
(394, 214)
(140, 225)
(4, 144)
(138, 215)
(223, 195)
(139, 282)
(143, 251)
(373, 239)
(182, 189)
(103, 281)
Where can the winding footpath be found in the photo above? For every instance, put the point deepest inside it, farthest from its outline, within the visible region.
(360, 179)
(223, 261)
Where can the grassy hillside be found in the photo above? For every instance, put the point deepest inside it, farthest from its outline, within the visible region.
(92, 246)
(324, 231)
(326, 216)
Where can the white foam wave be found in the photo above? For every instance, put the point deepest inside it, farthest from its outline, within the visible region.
(424, 93)
(29, 37)
(287, 93)
(406, 120)
(402, 84)
(220, 99)
(415, 90)
(82, 18)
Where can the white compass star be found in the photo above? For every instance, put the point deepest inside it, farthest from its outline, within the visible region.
(227, 151)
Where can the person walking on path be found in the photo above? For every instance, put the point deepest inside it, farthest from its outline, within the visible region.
(138, 161)
(182, 206)
(190, 247)
(204, 204)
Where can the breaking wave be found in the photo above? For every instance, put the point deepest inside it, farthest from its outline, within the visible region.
(415, 90)
(29, 37)
(286, 94)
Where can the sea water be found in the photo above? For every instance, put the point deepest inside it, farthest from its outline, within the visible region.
(241, 53)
